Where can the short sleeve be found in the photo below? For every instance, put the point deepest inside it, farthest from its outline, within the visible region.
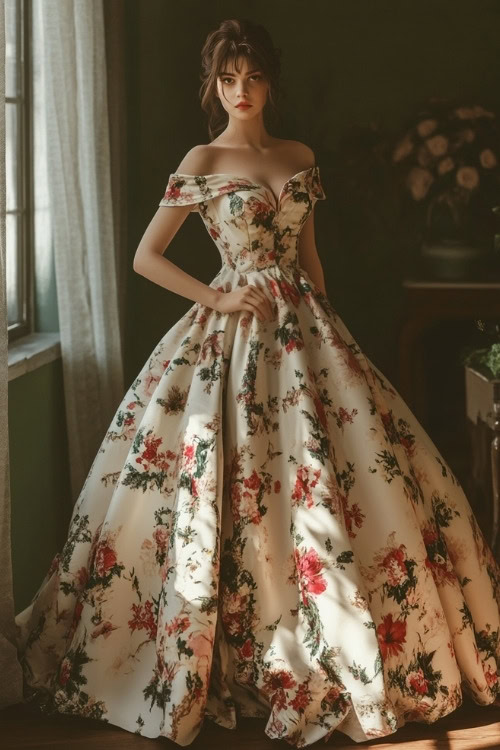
(185, 190)
(194, 189)
(315, 185)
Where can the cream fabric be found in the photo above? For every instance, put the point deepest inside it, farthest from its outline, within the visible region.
(267, 529)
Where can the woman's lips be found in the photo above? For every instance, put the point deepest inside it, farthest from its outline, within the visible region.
(243, 106)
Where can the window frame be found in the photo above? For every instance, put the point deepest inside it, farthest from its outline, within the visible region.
(23, 98)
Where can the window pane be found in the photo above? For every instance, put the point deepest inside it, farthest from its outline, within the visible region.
(13, 269)
(11, 65)
(44, 268)
(16, 261)
(12, 175)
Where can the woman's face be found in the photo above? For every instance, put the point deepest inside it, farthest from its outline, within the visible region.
(249, 85)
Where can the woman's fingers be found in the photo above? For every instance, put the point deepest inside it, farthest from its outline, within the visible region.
(264, 302)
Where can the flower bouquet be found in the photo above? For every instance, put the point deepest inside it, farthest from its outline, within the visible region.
(448, 162)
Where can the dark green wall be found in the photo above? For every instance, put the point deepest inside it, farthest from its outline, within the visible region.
(345, 64)
(39, 475)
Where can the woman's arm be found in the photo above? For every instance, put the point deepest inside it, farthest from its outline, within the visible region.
(149, 260)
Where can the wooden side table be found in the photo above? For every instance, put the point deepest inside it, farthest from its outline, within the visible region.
(430, 302)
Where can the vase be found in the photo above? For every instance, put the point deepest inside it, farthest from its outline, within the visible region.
(453, 260)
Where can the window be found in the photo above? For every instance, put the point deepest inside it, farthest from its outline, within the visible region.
(19, 224)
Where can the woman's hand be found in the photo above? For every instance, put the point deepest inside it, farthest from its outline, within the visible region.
(249, 297)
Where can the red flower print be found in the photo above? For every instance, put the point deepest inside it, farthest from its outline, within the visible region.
(151, 456)
(173, 192)
(292, 344)
(352, 361)
(178, 625)
(275, 684)
(301, 700)
(131, 405)
(391, 634)
(277, 485)
(244, 505)
(194, 489)
(309, 568)
(201, 645)
(436, 562)
(417, 682)
(491, 675)
(246, 651)
(233, 624)
(104, 628)
(105, 559)
(77, 613)
(176, 190)
(214, 233)
(64, 671)
(304, 483)
(394, 565)
(429, 534)
(54, 564)
(451, 649)
(189, 452)
(351, 515)
(253, 482)
(82, 576)
(261, 210)
(143, 619)
(293, 293)
(281, 288)
(150, 382)
(345, 416)
(332, 695)
(211, 346)
(320, 411)
(275, 290)
(160, 535)
(235, 611)
(408, 445)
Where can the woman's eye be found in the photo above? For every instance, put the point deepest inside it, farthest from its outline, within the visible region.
(230, 80)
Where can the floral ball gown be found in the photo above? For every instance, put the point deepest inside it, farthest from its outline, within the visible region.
(266, 529)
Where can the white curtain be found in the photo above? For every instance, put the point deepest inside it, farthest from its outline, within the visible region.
(11, 690)
(73, 61)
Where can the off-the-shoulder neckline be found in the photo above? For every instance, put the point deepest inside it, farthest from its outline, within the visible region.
(247, 179)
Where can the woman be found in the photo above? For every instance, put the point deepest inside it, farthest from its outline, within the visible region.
(266, 530)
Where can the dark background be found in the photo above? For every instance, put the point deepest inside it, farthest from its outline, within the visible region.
(346, 67)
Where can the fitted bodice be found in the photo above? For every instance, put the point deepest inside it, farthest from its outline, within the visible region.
(251, 230)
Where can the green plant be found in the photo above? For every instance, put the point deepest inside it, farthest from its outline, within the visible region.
(486, 358)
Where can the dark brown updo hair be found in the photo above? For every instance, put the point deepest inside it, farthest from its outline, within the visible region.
(232, 39)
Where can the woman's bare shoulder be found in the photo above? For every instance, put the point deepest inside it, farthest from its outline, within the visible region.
(201, 159)
(301, 152)
(196, 161)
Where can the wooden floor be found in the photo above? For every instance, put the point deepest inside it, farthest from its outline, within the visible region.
(470, 727)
